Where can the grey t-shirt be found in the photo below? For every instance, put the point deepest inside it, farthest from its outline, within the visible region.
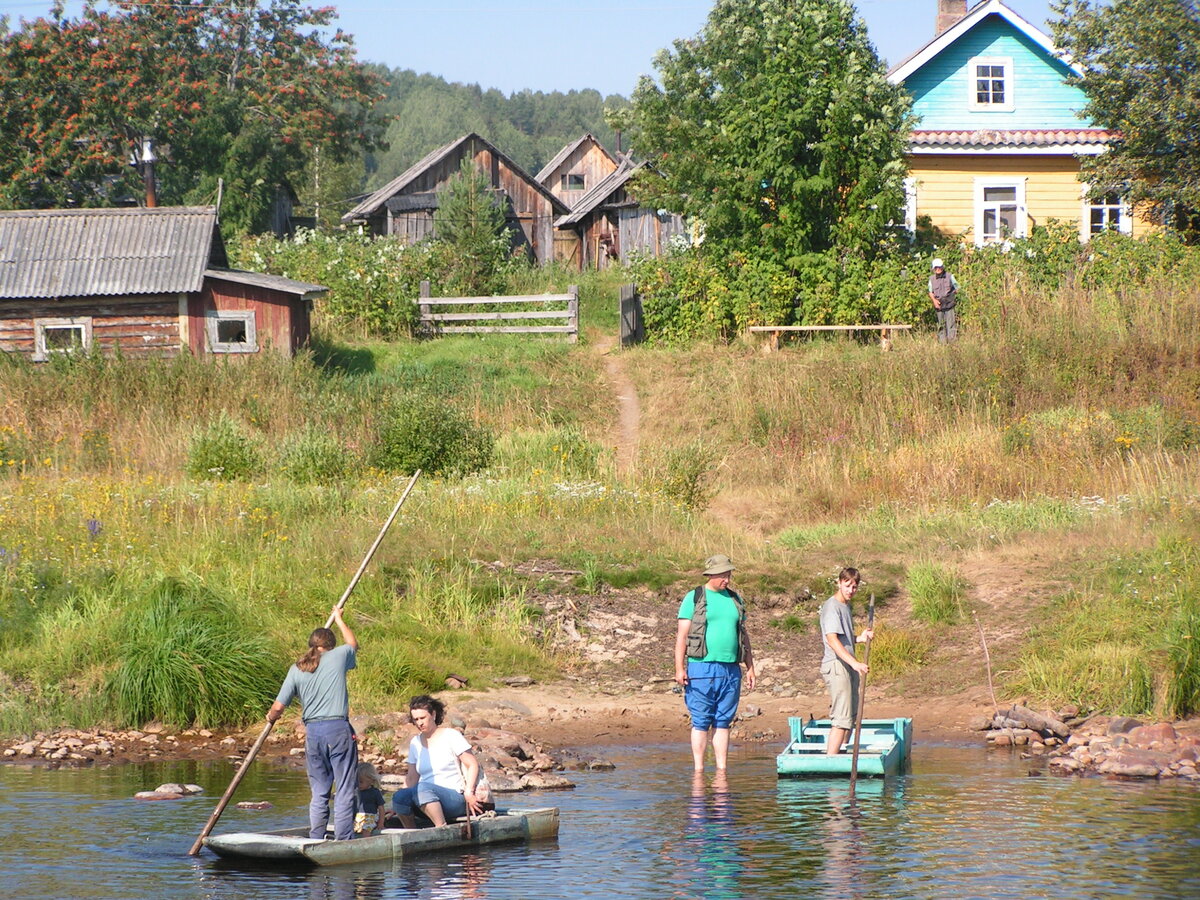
(836, 619)
(322, 693)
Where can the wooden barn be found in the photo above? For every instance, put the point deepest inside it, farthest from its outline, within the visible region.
(405, 206)
(610, 224)
(576, 169)
(144, 282)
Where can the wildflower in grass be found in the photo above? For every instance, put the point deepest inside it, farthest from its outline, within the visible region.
(94, 528)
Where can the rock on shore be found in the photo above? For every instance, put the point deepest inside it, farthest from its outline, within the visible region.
(1099, 745)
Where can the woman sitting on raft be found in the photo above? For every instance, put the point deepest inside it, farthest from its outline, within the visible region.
(443, 773)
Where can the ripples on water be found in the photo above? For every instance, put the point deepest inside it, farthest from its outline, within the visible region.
(965, 823)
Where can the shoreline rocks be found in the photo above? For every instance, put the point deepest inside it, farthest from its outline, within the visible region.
(1099, 745)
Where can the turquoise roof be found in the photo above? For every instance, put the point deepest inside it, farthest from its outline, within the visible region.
(1041, 97)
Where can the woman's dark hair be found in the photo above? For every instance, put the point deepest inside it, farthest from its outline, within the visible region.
(430, 704)
(320, 639)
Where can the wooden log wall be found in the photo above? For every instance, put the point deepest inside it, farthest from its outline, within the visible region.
(139, 326)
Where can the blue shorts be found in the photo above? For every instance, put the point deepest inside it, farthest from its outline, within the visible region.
(712, 693)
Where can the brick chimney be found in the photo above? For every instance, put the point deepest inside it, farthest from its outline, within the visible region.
(948, 13)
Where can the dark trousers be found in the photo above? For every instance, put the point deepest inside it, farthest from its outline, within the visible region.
(331, 757)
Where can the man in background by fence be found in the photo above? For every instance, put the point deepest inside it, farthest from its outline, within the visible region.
(943, 291)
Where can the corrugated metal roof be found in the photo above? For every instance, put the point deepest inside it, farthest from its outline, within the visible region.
(270, 282)
(105, 252)
(1040, 137)
(376, 200)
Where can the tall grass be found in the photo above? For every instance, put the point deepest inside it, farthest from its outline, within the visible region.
(936, 593)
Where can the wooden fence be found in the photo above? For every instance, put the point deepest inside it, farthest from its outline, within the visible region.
(559, 307)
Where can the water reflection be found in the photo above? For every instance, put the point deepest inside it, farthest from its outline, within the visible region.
(963, 823)
(710, 862)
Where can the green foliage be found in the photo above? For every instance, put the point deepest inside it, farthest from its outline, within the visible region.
(1130, 53)
(778, 129)
(936, 593)
(247, 109)
(421, 431)
(222, 451)
(685, 297)
(684, 474)
(895, 651)
(313, 456)
(186, 660)
(427, 112)
(471, 219)
(1183, 658)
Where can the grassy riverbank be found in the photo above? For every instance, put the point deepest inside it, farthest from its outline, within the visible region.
(1041, 476)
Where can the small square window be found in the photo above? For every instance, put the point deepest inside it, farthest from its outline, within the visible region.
(990, 81)
(61, 336)
(232, 331)
(1108, 213)
(573, 183)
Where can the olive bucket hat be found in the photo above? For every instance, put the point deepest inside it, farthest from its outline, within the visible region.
(718, 565)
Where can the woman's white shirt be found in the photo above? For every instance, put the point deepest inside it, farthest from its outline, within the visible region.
(438, 762)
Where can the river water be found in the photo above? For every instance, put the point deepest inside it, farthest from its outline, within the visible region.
(965, 822)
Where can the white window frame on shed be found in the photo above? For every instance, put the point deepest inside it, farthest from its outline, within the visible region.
(1004, 63)
(984, 204)
(212, 321)
(1112, 203)
(80, 324)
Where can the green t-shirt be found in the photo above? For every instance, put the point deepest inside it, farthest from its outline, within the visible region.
(721, 619)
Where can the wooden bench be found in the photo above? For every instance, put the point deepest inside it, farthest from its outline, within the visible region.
(777, 331)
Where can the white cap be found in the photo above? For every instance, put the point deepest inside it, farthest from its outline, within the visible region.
(937, 264)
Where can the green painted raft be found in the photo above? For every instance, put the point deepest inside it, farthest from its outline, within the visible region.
(884, 750)
(294, 846)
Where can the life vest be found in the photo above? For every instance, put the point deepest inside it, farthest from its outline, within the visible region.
(697, 639)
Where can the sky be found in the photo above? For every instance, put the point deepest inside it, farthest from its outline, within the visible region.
(563, 45)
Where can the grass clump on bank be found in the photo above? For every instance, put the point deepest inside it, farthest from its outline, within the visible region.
(936, 593)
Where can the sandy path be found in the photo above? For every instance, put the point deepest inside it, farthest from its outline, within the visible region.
(629, 410)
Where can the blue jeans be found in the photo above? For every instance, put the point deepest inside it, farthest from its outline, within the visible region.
(407, 801)
(331, 757)
(712, 693)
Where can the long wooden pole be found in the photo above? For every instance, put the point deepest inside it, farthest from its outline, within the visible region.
(862, 698)
(262, 738)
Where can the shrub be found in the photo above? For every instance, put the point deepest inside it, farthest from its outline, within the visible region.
(685, 475)
(895, 651)
(186, 659)
(313, 457)
(423, 432)
(936, 593)
(223, 451)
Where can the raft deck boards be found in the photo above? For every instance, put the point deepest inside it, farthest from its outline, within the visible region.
(884, 749)
(294, 846)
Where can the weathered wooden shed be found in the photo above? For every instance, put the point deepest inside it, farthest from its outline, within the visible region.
(576, 169)
(144, 282)
(405, 206)
(611, 225)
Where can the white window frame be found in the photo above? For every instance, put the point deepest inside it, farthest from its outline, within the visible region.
(246, 316)
(984, 183)
(910, 204)
(83, 324)
(1124, 223)
(973, 103)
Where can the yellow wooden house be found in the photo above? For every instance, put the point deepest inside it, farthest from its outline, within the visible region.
(999, 137)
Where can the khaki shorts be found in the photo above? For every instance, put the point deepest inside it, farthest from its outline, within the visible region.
(843, 693)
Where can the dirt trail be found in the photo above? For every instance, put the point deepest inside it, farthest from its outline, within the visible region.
(628, 408)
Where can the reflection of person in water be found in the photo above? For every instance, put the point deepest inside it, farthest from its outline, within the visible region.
(844, 851)
(331, 884)
(710, 841)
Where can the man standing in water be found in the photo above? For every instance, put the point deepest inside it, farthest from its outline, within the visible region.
(839, 668)
(710, 646)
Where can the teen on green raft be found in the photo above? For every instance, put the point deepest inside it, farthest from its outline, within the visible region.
(710, 647)
(839, 668)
